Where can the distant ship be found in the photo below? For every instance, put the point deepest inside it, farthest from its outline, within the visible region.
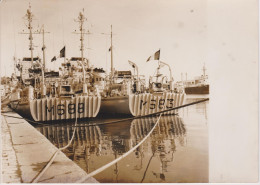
(199, 85)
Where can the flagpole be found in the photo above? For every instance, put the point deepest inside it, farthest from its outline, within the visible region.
(159, 57)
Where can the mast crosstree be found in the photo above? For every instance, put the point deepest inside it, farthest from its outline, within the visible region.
(81, 19)
(29, 16)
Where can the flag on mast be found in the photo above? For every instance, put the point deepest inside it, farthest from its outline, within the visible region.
(162, 64)
(155, 56)
(62, 52)
(131, 63)
(53, 59)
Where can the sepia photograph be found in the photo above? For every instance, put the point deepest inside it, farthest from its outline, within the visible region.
(129, 91)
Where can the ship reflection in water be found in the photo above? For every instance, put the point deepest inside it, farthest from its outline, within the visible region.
(176, 151)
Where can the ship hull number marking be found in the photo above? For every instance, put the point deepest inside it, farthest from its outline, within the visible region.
(61, 109)
(161, 104)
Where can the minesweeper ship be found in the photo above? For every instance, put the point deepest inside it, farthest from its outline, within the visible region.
(46, 96)
(82, 91)
(125, 93)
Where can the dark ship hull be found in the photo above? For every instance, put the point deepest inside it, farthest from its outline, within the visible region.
(204, 89)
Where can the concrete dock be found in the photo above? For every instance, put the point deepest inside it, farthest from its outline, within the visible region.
(25, 152)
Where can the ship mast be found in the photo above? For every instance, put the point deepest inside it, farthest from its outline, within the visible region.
(43, 49)
(81, 19)
(111, 50)
(29, 17)
(43, 65)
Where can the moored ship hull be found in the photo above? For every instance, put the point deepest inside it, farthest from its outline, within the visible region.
(204, 89)
(148, 103)
(115, 105)
(51, 109)
(22, 108)
(142, 104)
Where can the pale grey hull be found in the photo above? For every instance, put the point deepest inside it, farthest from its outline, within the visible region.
(141, 104)
(50, 109)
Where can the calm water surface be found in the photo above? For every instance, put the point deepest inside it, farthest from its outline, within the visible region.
(177, 150)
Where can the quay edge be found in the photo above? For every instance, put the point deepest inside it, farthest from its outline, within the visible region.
(32, 151)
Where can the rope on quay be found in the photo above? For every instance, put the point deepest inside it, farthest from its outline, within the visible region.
(38, 176)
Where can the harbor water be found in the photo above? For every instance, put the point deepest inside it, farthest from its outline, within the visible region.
(176, 151)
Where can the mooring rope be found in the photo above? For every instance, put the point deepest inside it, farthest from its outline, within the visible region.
(18, 103)
(38, 176)
(152, 114)
(135, 147)
(119, 158)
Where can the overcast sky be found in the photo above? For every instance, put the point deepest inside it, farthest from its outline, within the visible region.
(177, 27)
